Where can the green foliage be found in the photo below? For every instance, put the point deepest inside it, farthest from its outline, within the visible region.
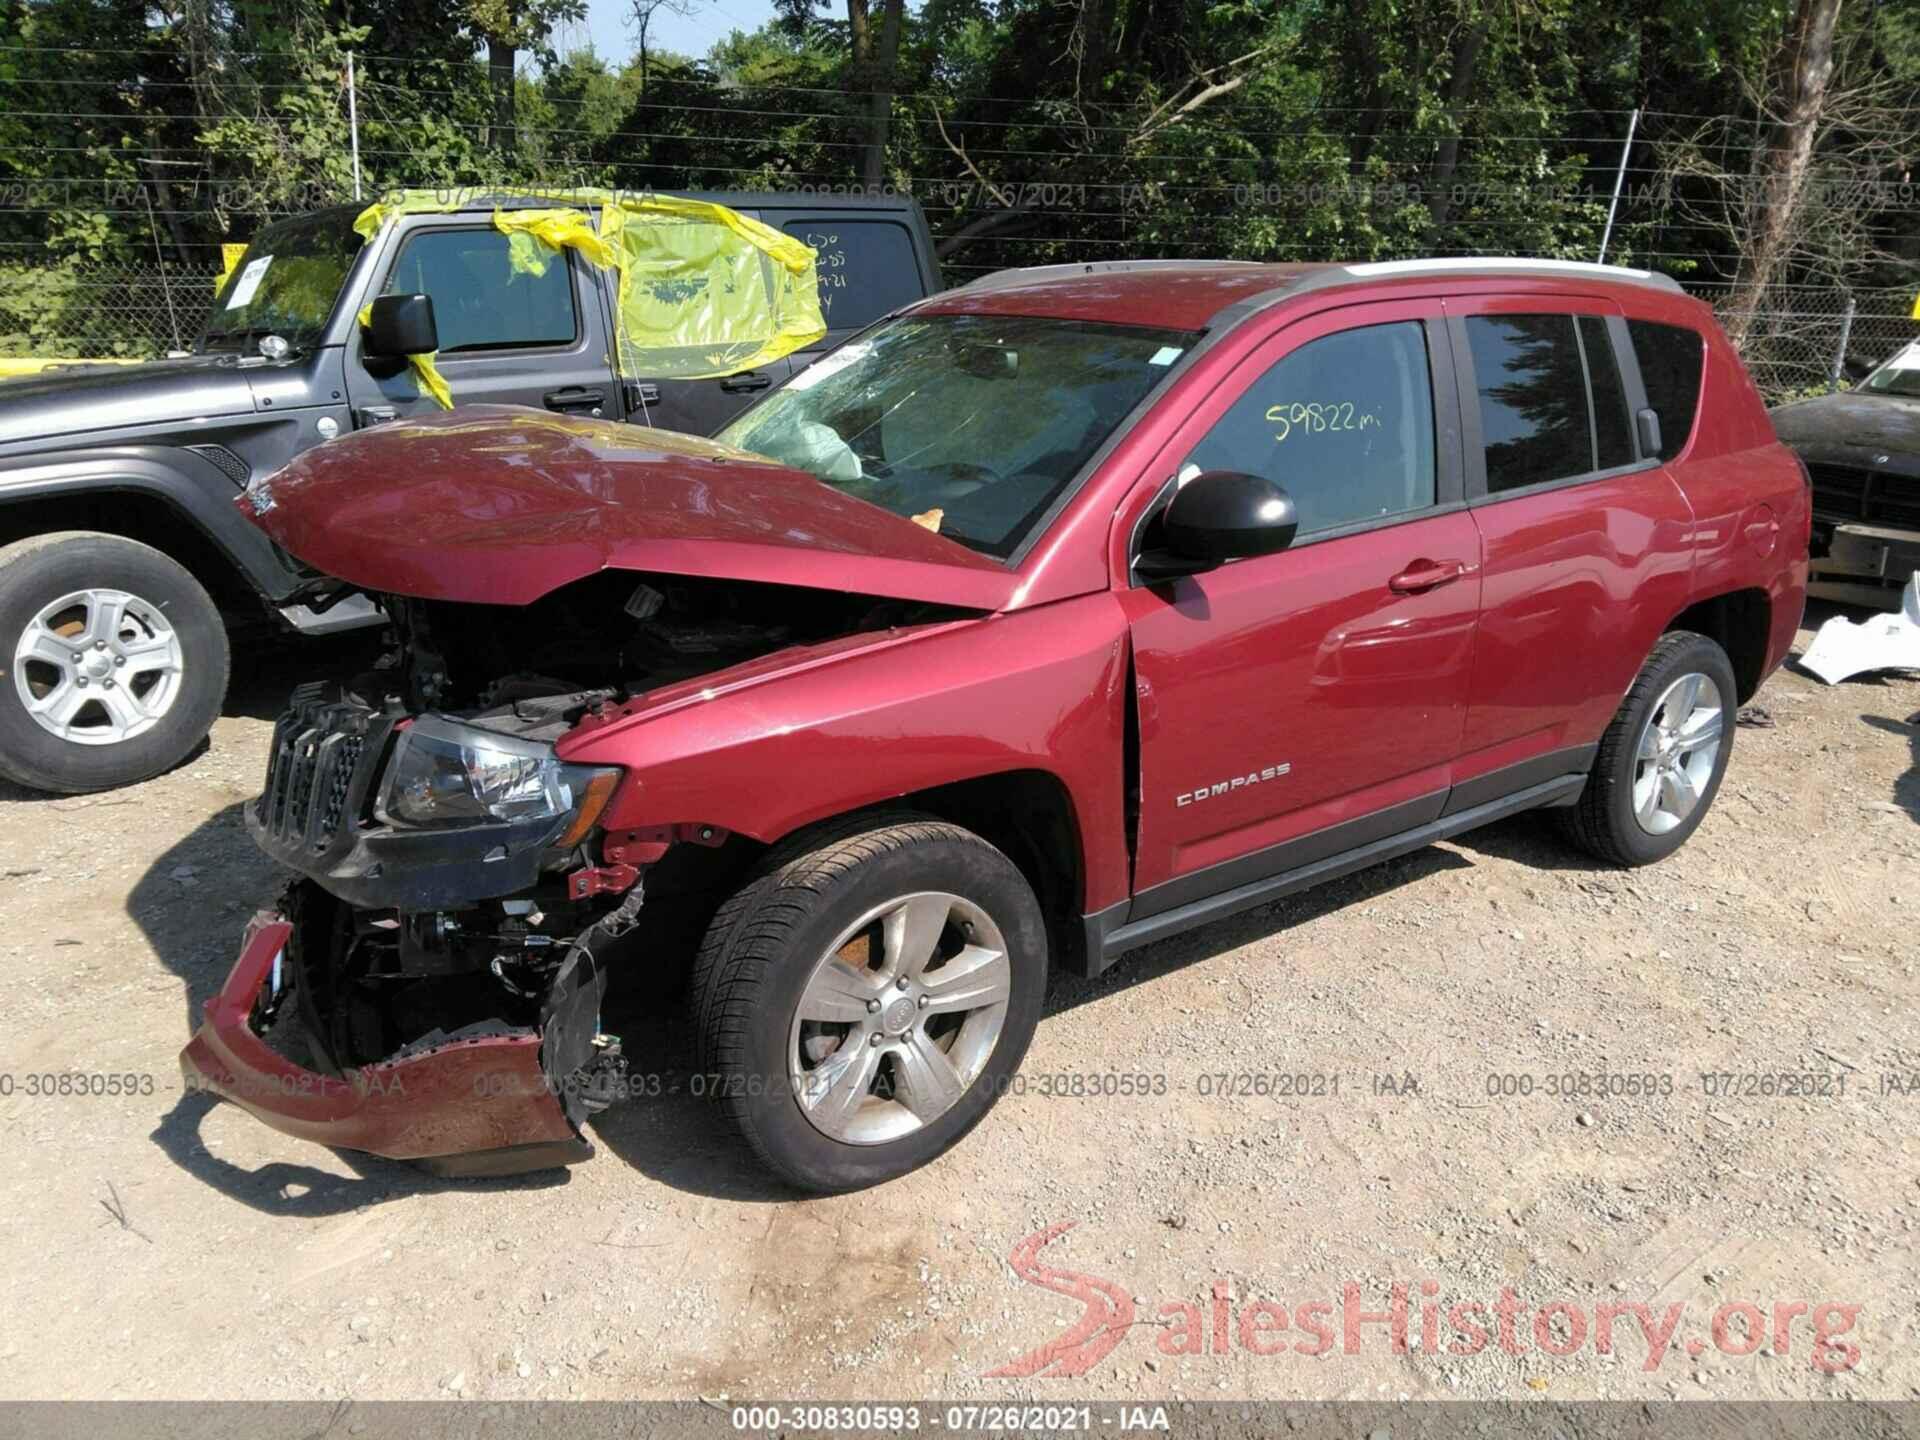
(1031, 130)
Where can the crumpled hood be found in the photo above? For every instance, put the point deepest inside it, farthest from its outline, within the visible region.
(499, 504)
(60, 404)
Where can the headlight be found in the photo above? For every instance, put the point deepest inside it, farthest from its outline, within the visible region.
(445, 774)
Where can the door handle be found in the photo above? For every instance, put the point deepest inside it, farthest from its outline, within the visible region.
(375, 414)
(575, 397)
(1426, 575)
(745, 384)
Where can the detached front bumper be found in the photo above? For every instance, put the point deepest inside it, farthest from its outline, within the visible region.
(475, 1106)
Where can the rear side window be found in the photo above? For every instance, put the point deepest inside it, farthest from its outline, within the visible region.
(480, 302)
(1345, 423)
(866, 268)
(1671, 359)
(1534, 420)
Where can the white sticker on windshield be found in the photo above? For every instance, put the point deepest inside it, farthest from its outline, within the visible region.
(832, 365)
(249, 282)
(1165, 355)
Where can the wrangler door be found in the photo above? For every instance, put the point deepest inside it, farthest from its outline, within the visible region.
(507, 337)
(1298, 705)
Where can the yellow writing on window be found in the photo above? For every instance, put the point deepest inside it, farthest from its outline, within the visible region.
(1315, 417)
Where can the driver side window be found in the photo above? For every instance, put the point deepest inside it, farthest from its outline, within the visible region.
(480, 300)
(1345, 423)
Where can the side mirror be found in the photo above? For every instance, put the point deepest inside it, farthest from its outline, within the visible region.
(1218, 515)
(401, 325)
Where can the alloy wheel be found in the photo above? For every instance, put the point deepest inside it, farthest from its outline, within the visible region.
(98, 667)
(1678, 748)
(899, 1018)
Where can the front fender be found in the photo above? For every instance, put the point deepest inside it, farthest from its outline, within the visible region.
(1042, 689)
(188, 483)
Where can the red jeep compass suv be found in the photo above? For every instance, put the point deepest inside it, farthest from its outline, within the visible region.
(1045, 618)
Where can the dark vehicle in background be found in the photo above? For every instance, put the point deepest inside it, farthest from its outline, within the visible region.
(123, 561)
(1861, 448)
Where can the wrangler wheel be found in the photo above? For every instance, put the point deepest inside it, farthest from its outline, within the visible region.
(866, 997)
(118, 662)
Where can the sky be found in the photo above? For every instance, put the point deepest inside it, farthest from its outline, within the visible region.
(609, 28)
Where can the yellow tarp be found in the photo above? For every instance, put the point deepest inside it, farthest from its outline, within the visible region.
(703, 291)
(229, 258)
(534, 235)
(424, 370)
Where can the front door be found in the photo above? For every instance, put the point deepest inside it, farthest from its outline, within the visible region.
(507, 337)
(1297, 705)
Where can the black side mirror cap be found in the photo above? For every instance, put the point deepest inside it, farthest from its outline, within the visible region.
(400, 325)
(1219, 515)
(1648, 425)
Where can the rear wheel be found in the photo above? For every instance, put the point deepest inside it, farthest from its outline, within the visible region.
(1661, 760)
(118, 662)
(867, 1000)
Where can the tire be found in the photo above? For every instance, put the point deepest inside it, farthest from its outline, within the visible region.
(163, 670)
(1611, 821)
(821, 908)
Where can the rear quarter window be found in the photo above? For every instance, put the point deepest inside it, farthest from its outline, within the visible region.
(1672, 358)
(866, 268)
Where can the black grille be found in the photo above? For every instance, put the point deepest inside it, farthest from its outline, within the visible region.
(313, 772)
(228, 463)
(1871, 497)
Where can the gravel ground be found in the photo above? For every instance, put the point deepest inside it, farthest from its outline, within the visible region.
(159, 1246)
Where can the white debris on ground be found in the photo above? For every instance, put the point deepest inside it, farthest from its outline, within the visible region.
(1883, 642)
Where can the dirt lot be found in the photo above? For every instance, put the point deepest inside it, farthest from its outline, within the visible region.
(160, 1246)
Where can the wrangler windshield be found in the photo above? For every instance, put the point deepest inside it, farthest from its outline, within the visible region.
(286, 283)
(970, 424)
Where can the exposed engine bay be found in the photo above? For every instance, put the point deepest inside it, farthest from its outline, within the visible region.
(614, 634)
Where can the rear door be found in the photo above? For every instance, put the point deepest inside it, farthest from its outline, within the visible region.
(870, 263)
(1295, 706)
(1587, 542)
(506, 337)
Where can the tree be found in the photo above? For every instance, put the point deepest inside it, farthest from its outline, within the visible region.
(506, 27)
(1802, 71)
(871, 79)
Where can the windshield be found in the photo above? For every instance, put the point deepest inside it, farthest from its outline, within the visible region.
(971, 425)
(1899, 376)
(286, 283)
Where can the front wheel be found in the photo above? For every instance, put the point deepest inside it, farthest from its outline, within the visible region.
(1661, 760)
(868, 997)
(118, 662)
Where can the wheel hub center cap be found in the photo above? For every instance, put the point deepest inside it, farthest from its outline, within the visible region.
(96, 665)
(899, 1015)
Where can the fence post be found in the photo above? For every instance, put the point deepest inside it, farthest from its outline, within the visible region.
(353, 125)
(1619, 178)
(1840, 353)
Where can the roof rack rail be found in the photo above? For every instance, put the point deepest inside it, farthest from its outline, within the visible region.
(1019, 275)
(1482, 265)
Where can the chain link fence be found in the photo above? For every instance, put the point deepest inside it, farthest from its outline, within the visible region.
(102, 312)
(1808, 338)
(1795, 347)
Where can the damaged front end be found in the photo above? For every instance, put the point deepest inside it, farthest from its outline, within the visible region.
(431, 988)
(431, 991)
